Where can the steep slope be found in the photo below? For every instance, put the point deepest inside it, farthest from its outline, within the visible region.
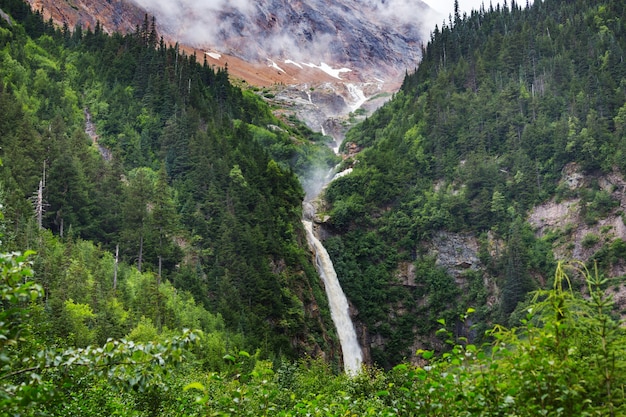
(114, 15)
(197, 188)
(513, 114)
(371, 38)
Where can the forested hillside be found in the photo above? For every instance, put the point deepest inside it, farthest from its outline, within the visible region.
(502, 102)
(124, 146)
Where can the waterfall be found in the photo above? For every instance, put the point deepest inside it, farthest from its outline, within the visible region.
(358, 95)
(339, 309)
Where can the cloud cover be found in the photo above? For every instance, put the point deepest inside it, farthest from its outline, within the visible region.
(194, 20)
(303, 30)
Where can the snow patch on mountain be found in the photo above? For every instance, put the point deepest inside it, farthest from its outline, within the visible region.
(214, 55)
(275, 65)
(328, 69)
(289, 61)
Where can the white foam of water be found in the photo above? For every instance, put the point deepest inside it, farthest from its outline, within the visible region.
(339, 308)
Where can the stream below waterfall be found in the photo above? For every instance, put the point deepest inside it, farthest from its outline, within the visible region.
(338, 303)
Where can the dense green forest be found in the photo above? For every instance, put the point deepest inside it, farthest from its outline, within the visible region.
(154, 262)
(503, 100)
(153, 191)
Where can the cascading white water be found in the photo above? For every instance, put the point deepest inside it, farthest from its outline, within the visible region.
(357, 95)
(339, 309)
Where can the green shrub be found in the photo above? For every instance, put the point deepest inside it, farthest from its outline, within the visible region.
(590, 240)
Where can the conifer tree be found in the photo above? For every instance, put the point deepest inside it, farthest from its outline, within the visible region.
(136, 211)
(163, 217)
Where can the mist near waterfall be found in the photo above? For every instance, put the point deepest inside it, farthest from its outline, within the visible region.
(314, 181)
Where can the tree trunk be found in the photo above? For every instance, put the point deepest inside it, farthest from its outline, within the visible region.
(140, 252)
(117, 254)
(160, 259)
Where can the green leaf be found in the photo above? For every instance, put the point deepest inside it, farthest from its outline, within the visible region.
(194, 385)
(402, 366)
(137, 355)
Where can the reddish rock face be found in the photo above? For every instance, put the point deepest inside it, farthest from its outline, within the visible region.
(114, 15)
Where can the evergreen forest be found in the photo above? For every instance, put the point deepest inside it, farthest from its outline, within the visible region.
(504, 101)
(153, 260)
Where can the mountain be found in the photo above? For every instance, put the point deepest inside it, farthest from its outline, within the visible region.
(349, 53)
(371, 39)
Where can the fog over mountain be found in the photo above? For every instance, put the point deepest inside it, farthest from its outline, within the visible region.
(381, 36)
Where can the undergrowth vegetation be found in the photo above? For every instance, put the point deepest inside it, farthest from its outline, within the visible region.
(565, 359)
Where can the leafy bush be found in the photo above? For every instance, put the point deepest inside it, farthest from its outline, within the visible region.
(590, 240)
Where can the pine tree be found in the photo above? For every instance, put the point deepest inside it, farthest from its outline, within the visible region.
(163, 217)
(138, 196)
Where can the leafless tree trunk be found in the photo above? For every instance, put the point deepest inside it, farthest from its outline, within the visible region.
(140, 252)
(39, 204)
(117, 254)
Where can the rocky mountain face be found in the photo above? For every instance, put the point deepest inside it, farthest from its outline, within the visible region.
(375, 38)
(576, 231)
(343, 52)
(581, 229)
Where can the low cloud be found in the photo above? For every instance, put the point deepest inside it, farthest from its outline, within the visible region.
(193, 20)
(181, 7)
(412, 14)
(260, 29)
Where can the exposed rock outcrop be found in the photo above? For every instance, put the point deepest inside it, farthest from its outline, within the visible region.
(114, 15)
(579, 237)
(456, 253)
(6, 17)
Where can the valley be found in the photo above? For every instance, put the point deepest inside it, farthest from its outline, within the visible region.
(153, 178)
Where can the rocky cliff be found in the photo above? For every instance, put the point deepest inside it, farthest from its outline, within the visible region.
(114, 15)
(583, 225)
